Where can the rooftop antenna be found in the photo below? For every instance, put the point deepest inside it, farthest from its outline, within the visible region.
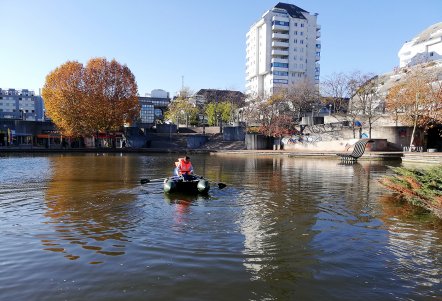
(182, 82)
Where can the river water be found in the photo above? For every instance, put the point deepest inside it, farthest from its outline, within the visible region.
(82, 227)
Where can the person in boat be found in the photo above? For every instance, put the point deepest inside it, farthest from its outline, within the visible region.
(184, 168)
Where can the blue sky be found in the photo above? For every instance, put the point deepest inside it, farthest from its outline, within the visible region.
(202, 41)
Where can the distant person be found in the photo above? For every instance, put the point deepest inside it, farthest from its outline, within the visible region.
(184, 168)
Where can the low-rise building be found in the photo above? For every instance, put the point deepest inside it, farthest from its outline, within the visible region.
(21, 104)
(204, 96)
(153, 107)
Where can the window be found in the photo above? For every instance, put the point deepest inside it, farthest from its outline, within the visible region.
(302, 33)
(296, 32)
(147, 113)
(280, 81)
(281, 65)
(281, 23)
(302, 24)
(301, 42)
(295, 41)
(281, 73)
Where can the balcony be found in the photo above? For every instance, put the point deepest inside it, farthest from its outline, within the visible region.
(279, 44)
(317, 57)
(280, 19)
(318, 34)
(280, 52)
(276, 60)
(276, 27)
(279, 69)
(280, 36)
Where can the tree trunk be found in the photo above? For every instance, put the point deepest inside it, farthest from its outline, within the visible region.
(414, 131)
(369, 128)
(416, 106)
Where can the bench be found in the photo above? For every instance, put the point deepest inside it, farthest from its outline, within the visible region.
(358, 151)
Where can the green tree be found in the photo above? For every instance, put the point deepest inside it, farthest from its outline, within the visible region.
(222, 111)
(182, 109)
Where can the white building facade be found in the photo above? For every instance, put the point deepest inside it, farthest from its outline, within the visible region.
(282, 48)
(427, 46)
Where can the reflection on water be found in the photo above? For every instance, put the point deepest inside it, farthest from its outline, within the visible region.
(182, 206)
(282, 229)
(414, 242)
(88, 207)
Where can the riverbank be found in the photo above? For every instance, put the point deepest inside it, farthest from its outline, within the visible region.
(237, 148)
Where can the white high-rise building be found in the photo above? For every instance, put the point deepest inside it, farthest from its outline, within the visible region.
(427, 46)
(282, 48)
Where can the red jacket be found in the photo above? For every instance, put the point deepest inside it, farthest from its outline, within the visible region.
(183, 167)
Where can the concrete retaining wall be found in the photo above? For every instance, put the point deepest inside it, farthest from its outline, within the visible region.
(166, 128)
(233, 133)
(195, 141)
(256, 141)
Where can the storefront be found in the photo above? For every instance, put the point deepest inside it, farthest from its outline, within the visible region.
(49, 140)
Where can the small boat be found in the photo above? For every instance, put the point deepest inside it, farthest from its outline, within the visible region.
(195, 185)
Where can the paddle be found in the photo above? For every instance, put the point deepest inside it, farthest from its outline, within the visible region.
(221, 185)
(145, 181)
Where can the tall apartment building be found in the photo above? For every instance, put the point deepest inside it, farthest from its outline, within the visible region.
(282, 48)
(427, 46)
(21, 104)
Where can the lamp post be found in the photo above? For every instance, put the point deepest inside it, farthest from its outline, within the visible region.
(330, 108)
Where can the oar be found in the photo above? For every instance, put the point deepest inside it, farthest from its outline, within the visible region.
(145, 181)
(221, 185)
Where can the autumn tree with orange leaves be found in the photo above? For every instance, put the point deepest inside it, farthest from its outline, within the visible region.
(417, 99)
(99, 97)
